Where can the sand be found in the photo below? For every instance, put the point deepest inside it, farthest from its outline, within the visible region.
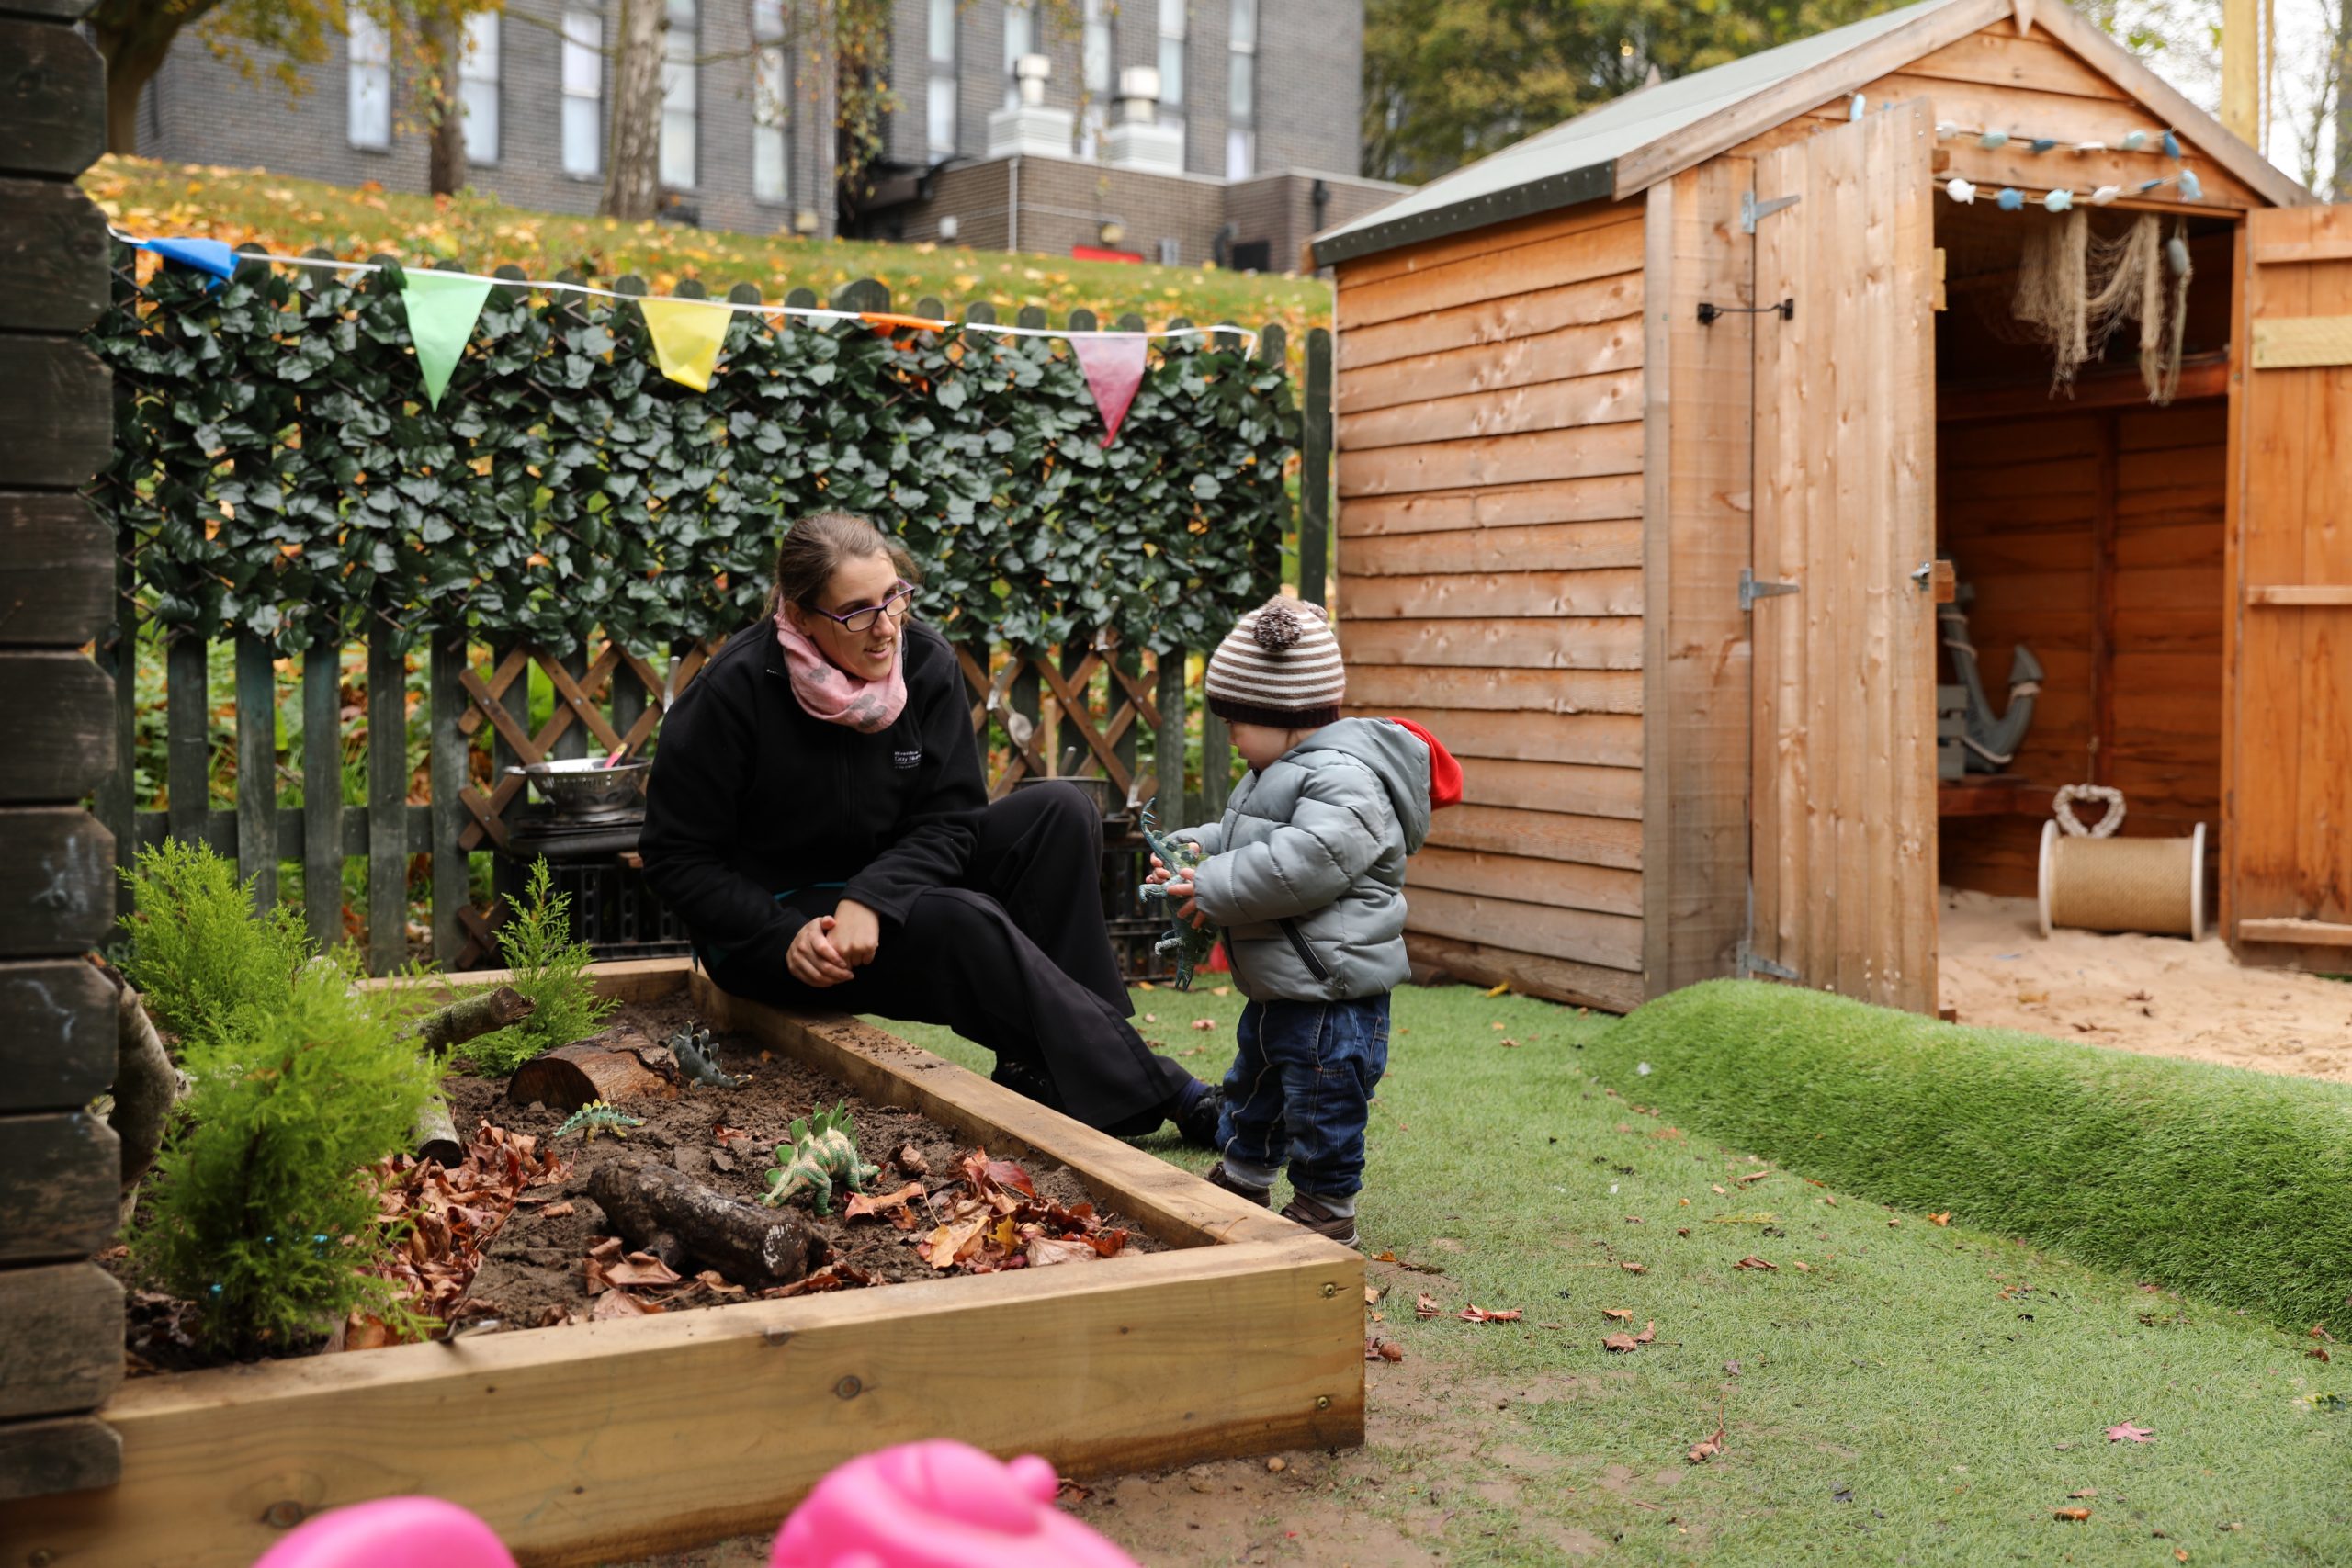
(2162, 996)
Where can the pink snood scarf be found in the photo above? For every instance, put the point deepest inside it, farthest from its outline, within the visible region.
(828, 692)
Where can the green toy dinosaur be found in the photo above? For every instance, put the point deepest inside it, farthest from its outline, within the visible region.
(814, 1155)
(698, 1058)
(1190, 943)
(597, 1117)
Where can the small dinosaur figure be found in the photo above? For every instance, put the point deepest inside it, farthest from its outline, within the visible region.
(597, 1117)
(699, 1059)
(1190, 943)
(814, 1155)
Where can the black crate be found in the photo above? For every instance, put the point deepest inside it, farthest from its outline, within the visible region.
(615, 913)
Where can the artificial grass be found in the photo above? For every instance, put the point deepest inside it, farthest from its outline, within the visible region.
(2233, 1185)
(1915, 1394)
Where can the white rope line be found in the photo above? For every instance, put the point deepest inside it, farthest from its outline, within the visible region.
(802, 312)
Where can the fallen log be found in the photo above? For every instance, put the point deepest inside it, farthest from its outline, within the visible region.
(654, 1209)
(620, 1064)
(467, 1018)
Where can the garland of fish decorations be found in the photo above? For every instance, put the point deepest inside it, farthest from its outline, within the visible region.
(2009, 198)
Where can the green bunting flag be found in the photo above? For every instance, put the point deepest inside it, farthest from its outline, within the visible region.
(442, 309)
(686, 338)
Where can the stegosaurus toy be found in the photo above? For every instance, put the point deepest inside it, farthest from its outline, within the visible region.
(1190, 943)
(816, 1154)
(597, 1117)
(698, 1058)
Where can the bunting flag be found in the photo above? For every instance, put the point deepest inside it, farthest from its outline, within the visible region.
(687, 337)
(204, 256)
(1113, 367)
(442, 309)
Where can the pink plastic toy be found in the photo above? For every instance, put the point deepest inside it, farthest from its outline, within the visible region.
(392, 1532)
(938, 1504)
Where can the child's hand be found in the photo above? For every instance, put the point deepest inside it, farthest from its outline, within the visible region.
(1190, 909)
(1159, 872)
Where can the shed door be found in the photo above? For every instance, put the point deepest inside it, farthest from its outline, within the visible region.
(2287, 795)
(1843, 800)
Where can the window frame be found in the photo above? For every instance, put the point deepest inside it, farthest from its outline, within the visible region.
(689, 75)
(770, 63)
(368, 57)
(471, 75)
(942, 98)
(576, 21)
(1242, 89)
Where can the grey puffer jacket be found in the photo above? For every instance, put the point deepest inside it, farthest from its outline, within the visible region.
(1306, 870)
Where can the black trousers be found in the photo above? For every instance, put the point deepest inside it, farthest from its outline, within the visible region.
(1015, 958)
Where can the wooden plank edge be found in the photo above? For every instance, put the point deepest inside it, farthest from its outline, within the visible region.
(1170, 1203)
(621, 979)
(2305, 933)
(218, 1449)
(1554, 979)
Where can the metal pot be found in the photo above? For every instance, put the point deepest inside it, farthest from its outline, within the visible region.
(581, 789)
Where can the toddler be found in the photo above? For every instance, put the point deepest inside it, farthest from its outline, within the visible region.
(1307, 873)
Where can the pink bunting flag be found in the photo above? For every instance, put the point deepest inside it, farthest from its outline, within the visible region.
(1113, 367)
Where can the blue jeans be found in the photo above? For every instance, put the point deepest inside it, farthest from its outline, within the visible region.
(1297, 1095)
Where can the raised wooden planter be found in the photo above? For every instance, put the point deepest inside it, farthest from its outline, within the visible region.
(604, 1440)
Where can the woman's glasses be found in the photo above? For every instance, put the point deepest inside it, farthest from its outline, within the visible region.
(901, 600)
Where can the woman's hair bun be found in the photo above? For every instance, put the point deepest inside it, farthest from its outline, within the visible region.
(1277, 628)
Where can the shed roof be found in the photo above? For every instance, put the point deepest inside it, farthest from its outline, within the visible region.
(1630, 142)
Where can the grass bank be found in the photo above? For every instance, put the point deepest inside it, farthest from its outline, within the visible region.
(250, 206)
(2234, 1185)
(1892, 1391)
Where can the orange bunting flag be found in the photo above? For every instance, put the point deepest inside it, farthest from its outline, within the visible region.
(686, 338)
(887, 322)
(1113, 367)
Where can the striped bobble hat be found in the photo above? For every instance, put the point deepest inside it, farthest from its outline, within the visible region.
(1280, 667)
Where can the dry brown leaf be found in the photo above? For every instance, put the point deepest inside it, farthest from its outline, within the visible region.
(559, 1210)
(2076, 1515)
(884, 1204)
(620, 1304)
(1378, 1350)
(1943, 1219)
(1618, 1315)
(2086, 1492)
(639, 1268)
(1634, 1267)
(605, 1249)
(1046, 1250)
(1648, 1333)
(1802, 1267)
(1203, 1023)
(1754, 1176)
(1752, 1261)
(1721, 1190)
(910, 1159)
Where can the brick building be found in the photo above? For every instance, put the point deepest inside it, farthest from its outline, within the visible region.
(1143, 130)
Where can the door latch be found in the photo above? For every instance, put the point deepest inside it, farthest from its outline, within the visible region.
(1709, 311)
(1754, 962)
(1751, 589)
(1752, 212)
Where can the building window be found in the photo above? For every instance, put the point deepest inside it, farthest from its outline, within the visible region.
(680, 110)
(478, 87)
(1172, 64)
(1241, 92)
(583, 94)
(939, 111)
(371, 83)
(1020, 39)
(771, 105)
(1098, 51)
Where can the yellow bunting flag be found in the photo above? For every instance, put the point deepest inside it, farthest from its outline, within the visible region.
(686, 336)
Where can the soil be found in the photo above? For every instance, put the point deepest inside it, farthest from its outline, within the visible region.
(2162, 996)
(534, 1273)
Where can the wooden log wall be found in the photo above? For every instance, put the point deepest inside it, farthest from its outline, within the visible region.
(2094, 539)
(1490, 582)
(60, 1316)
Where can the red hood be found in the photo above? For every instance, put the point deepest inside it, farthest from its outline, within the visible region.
(1445, 773)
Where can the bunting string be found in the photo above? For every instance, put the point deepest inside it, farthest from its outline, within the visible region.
(212, 256)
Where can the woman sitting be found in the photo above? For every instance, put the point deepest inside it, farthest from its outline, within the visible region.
(818, 819)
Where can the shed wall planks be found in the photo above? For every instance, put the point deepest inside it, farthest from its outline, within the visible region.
(1490, 398)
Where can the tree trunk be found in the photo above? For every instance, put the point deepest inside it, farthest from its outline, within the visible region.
(617, 1066)
(633, 176)
(445, 120)
(469, 1018)
(654, 1209)
(130, 62)
(2339, 72)
(146, 1087)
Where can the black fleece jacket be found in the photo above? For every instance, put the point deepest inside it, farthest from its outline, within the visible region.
(750, 797)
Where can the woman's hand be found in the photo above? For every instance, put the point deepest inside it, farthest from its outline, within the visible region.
(856, 932)
(813, 958)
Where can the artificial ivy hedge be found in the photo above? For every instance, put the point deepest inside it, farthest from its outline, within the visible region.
(279, 472)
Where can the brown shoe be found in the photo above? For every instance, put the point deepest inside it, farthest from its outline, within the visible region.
(1304, 1211)
(1261, 1196)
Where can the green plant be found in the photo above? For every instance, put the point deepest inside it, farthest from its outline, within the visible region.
(279, 471)
(551, 970)
(206, 961)
(262, 1212)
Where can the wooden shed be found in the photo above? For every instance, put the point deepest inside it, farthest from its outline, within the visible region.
(1654, 551)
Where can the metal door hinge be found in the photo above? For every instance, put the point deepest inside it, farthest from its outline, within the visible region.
(1753, 963)
(1710, 313)
(1750, 590)
(1752, 212)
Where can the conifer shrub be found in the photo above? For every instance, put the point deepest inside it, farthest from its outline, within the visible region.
(197, 950)
(261, 1209)
(549, 968)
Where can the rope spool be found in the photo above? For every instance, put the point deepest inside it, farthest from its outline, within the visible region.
(2155, 886)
